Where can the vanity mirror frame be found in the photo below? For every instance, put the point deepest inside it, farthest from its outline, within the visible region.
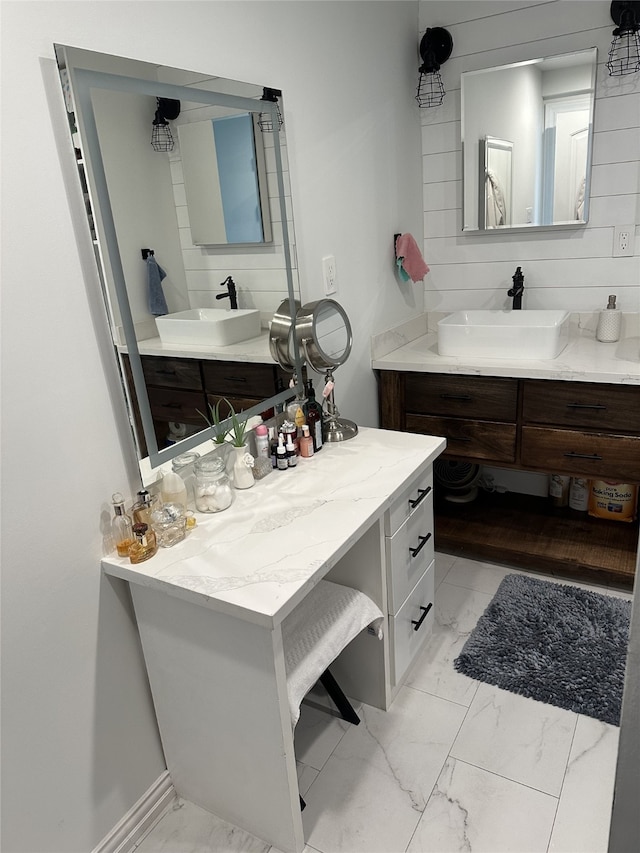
(474, 135)
(81, 82)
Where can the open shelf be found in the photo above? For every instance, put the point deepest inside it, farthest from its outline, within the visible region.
(527, 532)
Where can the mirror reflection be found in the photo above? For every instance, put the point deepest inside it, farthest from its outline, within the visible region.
(526, 142)
(156, 258)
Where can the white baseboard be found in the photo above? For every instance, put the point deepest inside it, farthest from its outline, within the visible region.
(136, 823)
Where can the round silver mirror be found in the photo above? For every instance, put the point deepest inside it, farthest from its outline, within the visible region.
(323, 332)
(281, 335)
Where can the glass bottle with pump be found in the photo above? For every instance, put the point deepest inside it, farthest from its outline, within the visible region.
(121, 526)
(313, 415)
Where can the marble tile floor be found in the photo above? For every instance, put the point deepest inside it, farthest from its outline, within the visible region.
(455, 765)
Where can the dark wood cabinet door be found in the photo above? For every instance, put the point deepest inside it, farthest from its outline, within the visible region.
(587, 454)
(172, 372)
(475, 397)
(589, 405)
(475, 440)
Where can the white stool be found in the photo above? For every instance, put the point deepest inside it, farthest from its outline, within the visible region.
(314, 634)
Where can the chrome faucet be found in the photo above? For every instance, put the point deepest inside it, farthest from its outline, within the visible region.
(517, 290)
(231, 293)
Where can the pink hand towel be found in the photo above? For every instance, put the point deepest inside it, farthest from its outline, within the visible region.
(412, 260)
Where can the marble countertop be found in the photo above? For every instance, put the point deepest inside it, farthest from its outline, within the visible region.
(259, 558)
(255, 350)
(414, 347)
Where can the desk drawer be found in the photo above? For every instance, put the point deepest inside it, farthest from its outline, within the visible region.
(412, 625)
(471, 439)
(464, 396)
(588, 405)
(409, 553)
(181, 406)
(410, 501)
(590, 454)
(172, 372)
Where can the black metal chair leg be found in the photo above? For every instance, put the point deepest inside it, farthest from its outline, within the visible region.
(342, 703)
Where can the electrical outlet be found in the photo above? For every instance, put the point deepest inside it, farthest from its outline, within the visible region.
(329, 274)
(623, 239)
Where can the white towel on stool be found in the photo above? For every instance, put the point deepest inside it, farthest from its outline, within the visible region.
(319, 628)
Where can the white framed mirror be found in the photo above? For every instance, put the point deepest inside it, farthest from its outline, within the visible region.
(527, 131)
(136, 201)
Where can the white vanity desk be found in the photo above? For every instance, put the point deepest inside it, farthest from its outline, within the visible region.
(210, 609)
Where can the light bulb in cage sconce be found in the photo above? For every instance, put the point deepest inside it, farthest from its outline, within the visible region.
(266, 119)
(161, 136)
(624, 54)
(435, 48)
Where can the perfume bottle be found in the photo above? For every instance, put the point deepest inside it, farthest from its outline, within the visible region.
(121, 526)
(314, 417)
(144, 545)
(144, 506)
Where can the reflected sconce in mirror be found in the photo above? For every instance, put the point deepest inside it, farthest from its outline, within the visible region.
(266, 119)
(161, 136)
(435, 48)
(624, 54)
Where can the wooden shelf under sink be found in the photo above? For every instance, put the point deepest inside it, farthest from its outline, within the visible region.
(526, 532)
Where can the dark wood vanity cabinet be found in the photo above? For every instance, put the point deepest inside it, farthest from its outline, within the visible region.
(584, 429)
(179, 389)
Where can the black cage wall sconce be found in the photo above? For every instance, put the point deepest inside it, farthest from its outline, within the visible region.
(161, 136)
(624, 54)
(267, 118)
(435, 48)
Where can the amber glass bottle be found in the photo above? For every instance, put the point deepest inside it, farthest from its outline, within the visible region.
(314, 417)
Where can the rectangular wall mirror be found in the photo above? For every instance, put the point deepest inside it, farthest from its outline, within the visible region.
(138, 199)
(527, 131)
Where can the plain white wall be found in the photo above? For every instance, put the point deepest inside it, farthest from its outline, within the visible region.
(563, 269)
(80, 743)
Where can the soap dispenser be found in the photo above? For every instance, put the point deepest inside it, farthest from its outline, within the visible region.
(609, 322)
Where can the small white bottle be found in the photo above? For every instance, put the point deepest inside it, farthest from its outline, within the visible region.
(281, 455)
(609, 322)
(292, 459)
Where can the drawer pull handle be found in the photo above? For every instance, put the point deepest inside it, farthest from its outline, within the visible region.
(423, 542)
(235, 379)
(597, 406)
(593, 456)
(173, 405)
(166, 373)
(458, 438)
(422, 493)
(456, 396)
(417, 623)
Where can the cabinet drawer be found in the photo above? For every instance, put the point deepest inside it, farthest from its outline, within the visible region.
(590, 454)
(239, 378)
(180, 406)
(582, 404)
(412, 625)
(471, 439)
(409, 553)
(172, 372)
(410, 501)
(465, 396)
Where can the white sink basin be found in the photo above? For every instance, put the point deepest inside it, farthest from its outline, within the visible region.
(504, 334)
(215, 327)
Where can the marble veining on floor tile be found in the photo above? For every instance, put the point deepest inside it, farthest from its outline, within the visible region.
(516, 737)
(476, 811)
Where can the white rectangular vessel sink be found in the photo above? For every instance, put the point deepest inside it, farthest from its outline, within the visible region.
(209, 326)
(504, 334)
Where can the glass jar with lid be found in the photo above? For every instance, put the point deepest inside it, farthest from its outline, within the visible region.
(213, 491)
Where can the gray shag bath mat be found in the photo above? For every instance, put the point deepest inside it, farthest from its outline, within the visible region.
(554, 643)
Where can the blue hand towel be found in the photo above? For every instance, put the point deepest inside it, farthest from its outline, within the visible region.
(155, 274)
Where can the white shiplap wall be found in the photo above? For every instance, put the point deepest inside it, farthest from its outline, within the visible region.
(259, 272)
(563, 269)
